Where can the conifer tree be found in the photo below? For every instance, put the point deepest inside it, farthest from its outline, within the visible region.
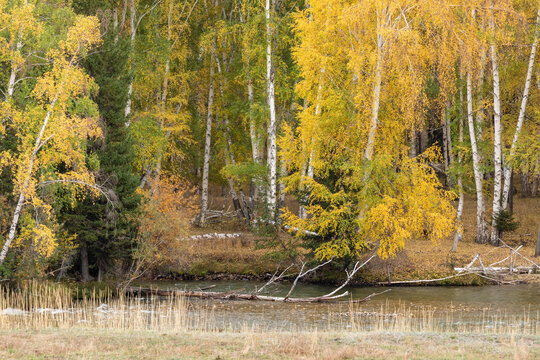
(107, 229)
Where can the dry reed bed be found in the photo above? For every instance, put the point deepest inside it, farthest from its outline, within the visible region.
(42, 305)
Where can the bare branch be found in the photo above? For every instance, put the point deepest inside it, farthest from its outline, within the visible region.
(303, 273)
(350, 275)
(275, 278)
(146, 13)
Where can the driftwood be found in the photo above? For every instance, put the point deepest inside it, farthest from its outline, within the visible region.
(234, 295)
(501, 270)
(237, 295)
(491, 273)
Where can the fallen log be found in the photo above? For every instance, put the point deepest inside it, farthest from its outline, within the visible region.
(239, 296)
(227, 295)
(497, 269)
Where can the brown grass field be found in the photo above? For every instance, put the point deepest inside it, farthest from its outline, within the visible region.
(79, 343)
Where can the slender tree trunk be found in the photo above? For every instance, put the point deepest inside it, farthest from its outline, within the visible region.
(445, 143)
(119, 27)
(232, 189)
(283, 174)
(229, 158)
(511, 194)
(525, 183)
(133, 28)
(413, 151)
(67, 262)
(521, 117)
(13, 76)
(497, 147)
(368, 153)
(162, 104)
(229, 154)
(26, 183)
(272, 125)
(482, 233)
(536, 180)
(458, 236)
(480, 113)
(307, 169)
(85, 273)
(207, 148)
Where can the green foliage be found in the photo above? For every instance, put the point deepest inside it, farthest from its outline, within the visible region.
(108, 227)
(245, 172)
(505, 221)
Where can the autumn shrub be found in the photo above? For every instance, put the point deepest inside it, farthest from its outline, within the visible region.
(168, 208)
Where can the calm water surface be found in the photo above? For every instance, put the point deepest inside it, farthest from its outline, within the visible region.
(454, 306)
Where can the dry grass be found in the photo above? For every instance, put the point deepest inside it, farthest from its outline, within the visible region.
(113, 344)
(203, 257)
(39, 305)
(422, 260)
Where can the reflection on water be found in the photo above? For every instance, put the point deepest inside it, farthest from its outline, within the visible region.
(445, 308)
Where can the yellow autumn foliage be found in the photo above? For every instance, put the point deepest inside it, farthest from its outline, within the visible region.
(364, 68)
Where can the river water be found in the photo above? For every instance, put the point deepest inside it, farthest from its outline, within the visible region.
(423, 308)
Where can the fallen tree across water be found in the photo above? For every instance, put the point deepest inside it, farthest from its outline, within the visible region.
(235, 295)
(333, 296)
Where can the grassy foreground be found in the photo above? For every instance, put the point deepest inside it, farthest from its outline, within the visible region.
(78, 343)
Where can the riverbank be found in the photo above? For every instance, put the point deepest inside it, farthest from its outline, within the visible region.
(44, 321)
(217, 259)
(75, 343)
(229, 251)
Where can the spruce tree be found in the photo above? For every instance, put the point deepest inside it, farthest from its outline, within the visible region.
(106, 228)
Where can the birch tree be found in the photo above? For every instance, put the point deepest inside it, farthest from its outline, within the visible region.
(350, 206)
(497, 145)
(272, 123)
(59, 133)
(521, 117)
(207, 149)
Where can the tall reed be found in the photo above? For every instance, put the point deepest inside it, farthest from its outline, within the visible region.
(42, 305)
(38, 305)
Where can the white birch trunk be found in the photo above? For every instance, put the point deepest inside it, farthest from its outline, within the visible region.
(482, 234)
(480, 114)
(207, 148)
(368, 153)
(255, 141)
(458, 236)
(272, 125)
(13, 77)
(14, 70)
(497, 149)
(521, 117)
(133, 27)
(31, 163)
(26, 183)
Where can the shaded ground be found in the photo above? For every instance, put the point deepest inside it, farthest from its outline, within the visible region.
(100, 344)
